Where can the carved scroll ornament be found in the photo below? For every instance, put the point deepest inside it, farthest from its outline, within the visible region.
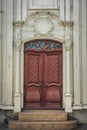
(68, 40)
(18, 32)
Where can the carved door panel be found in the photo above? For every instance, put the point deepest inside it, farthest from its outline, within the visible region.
(43, 80)
(33, 78)
(53, 79)
(43, 75)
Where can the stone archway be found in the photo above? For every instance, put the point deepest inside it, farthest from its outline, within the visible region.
(52, 33)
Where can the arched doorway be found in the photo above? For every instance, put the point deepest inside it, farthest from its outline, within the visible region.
(43, 74)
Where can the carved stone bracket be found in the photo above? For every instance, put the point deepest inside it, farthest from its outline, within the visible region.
(18, 25)
(17, 94)
(68, 44)
(68, 40)
(18, 46)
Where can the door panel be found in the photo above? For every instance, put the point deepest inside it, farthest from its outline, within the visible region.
(53, 82)
(32, 94)
(52, 68)
(33, 68)
(43, 79)
(52, 95)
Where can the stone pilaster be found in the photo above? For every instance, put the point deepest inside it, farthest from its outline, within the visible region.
(84, 53)
(24, 10)
(0, 50)
(77, 55)
(7, 52)
(17, 94)
(68, 46)
(62, 17)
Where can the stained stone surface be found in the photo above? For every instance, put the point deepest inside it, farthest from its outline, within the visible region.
(81, 116)
(5, 115)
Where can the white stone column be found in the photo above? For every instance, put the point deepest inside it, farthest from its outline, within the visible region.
(68, 46)
(4, 47)
(18, 10)
(76, 55)
(24, 9)
(62, 17)
(17, 24)
(68, 10)
(0, 51)
(7, 53)
(84, 52)
(62, 9)
(17, 95)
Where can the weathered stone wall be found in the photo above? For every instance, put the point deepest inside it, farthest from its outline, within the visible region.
(5, 115)
(6, 53)
(80, 115)
(20, 11)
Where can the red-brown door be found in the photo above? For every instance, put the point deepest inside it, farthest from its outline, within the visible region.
(43, 78)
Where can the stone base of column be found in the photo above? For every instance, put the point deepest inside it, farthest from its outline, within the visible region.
(17, 103)
(77, 107)
(68, 104)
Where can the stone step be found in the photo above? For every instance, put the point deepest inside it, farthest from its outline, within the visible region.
(60, 125)
(43, 115)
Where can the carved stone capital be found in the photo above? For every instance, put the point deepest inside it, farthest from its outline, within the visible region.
(18, 34)
(18, 46)
(68, 44)
(68, 41)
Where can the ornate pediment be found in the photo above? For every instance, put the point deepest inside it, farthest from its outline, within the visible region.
(43, 24)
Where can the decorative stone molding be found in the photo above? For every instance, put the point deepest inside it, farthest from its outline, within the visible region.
(18, 39)
(68, 40)
(68, 44)
(4, 107)
(18, 25)
(68, 23)
(32, 28)
(43, 24)
(40, 4)
(18, 46)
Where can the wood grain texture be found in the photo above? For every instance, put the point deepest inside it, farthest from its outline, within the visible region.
(43, 80)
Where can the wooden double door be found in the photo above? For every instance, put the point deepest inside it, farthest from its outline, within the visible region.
(43, 79)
